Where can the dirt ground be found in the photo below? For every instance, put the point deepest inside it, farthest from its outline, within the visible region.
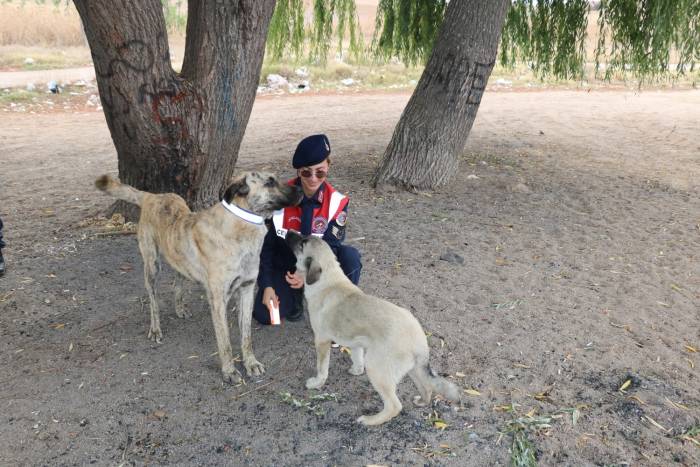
(560, 266)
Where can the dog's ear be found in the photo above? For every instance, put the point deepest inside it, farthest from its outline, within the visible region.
(239, 187)
(313, 271)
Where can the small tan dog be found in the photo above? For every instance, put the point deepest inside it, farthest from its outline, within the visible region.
(218, 247)
(385, 339)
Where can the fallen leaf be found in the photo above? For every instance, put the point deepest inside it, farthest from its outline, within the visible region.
(472, 392)
(160, 414)
(520, 365)
(58, 325)
(70, 347)
(690, 348)
(637, 399)
(655, 423)
(575, 416)
(440, 424)
(625, 385)
(346, 350)
(460, 374)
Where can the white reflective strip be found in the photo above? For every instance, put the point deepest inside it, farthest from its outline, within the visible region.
(278, 222)
(336, 199)
(317, 235)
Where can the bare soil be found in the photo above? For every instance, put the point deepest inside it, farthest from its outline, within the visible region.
(560, 266)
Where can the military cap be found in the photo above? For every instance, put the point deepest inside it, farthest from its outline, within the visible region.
(311, 150)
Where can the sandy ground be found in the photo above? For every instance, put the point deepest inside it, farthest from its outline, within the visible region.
(577, 218)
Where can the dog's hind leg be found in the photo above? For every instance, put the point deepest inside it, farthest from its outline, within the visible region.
(323, 357)
(179, 286)
(382, 378)
(419, 378)
(217, 302)
(357, 354)
(246, 295)
(151, 268)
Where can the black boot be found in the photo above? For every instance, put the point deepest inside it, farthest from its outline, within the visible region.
(2, 264)
(298, 310)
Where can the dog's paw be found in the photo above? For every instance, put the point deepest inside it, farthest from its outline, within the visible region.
(156, 335)
(418, 401)
(315, 382)
(356, 370)
(253, 367)
(372, 420)
(232, 377)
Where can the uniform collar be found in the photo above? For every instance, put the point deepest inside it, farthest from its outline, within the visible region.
(244, 214)
(316, 197)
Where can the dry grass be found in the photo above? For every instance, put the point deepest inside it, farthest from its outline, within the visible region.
(12, 57)
(31, 24)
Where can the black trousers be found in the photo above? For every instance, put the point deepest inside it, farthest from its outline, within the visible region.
(2, 243)
(349, 259)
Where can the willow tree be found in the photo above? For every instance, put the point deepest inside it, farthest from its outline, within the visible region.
(177, 132)
(549, 35)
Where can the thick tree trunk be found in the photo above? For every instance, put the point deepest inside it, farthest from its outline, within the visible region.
(177, 132)
(433, 129)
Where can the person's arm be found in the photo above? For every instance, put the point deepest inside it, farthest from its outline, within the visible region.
(266, 256)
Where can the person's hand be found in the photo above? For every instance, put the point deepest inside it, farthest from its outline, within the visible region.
(269, 294)
(294, 280)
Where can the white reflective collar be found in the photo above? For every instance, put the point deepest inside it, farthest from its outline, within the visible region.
(243, 214)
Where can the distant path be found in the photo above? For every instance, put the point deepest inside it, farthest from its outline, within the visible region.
(19, 79)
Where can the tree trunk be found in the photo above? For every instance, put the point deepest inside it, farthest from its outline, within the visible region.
(433, 129)
(177, 132)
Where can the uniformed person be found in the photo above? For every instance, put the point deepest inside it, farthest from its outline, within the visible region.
(322, 212)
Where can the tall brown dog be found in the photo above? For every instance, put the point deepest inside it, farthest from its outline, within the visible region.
(218, 247)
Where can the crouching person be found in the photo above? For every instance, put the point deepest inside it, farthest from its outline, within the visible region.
(323, 213)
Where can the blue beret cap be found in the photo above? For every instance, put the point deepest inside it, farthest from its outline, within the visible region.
(311, 150)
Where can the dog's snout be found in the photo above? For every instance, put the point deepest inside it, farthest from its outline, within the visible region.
(295, 195)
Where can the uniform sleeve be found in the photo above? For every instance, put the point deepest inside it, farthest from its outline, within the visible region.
(335, 233)
(266, 256)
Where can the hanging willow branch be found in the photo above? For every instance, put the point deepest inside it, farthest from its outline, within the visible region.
(547, 34)
(407, 29)
(635, 36)
(641, 36)
(288, 36)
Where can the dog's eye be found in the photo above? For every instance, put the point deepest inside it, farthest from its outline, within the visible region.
(270, 182)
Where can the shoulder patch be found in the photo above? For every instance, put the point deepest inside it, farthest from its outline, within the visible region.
(342, 218)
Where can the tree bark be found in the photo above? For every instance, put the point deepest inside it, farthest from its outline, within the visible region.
(433, 129)
(177, 132)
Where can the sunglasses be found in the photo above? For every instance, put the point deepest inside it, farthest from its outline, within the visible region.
(308, 173)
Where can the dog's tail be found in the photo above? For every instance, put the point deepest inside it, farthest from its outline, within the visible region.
(438, 383)
(118, 190)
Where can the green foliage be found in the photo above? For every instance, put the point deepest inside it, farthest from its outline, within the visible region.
(407, 29)
(547, 34)
(636, 36)
(175, 15)
(642, 34)
(286, 33)
(288, 36)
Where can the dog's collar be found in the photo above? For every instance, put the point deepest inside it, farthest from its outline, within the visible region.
(243, 214)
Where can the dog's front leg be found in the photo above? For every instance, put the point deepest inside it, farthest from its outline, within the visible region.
(217, 302)
(323, 356)
(357, 354)
(245, 315)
